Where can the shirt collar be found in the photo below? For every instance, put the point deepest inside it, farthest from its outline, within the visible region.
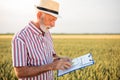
(34, 28)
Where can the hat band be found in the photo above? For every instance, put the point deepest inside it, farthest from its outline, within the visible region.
(48, 10)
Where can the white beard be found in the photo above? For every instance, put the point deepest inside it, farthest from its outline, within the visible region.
(44, 28)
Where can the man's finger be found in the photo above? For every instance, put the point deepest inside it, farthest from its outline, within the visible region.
(67, 66)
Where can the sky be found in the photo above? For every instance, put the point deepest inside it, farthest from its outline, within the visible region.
(77, 16)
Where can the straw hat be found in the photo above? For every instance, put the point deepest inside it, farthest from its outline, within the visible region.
(49, 6)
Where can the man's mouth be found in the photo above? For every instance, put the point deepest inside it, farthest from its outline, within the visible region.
(49, 27)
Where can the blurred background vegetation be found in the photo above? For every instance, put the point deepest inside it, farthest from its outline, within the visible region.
(106, 53)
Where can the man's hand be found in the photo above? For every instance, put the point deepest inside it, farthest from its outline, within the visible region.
(61, 64)
(66, 59)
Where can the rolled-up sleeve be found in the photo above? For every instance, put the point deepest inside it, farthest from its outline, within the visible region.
(19, 52)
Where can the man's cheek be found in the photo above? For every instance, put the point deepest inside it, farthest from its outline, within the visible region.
(52, 24)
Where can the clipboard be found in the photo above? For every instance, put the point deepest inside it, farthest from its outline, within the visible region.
(78, 63)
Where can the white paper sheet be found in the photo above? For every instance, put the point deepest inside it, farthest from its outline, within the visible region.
(79, 62)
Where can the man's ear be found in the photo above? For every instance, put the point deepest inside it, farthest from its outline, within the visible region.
(39, 14)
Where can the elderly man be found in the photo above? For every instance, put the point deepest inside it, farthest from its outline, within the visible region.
(33, 54)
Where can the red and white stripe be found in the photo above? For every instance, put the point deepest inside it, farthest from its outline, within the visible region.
(30, 48)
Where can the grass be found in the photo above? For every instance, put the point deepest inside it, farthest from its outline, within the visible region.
(105, 51)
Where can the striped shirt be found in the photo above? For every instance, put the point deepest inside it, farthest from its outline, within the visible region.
(31, 48)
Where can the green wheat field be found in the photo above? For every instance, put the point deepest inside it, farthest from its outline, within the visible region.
(104, 48)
